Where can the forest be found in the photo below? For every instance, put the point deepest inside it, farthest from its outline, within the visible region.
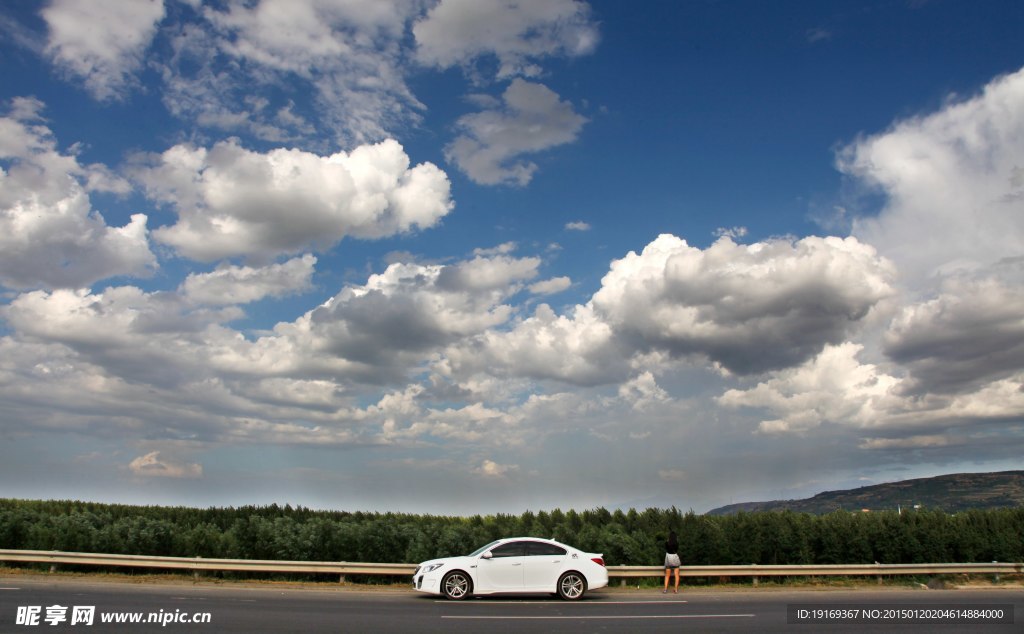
(625, 538)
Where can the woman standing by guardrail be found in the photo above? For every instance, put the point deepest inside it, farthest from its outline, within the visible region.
(671, 560)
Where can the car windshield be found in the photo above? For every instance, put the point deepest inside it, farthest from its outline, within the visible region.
(483, 549)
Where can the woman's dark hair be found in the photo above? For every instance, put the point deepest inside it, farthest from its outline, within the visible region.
(672, 538)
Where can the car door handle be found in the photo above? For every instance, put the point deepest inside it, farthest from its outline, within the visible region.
(519, 564)
(557, 561)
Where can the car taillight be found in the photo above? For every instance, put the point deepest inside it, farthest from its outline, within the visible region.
(597, 560)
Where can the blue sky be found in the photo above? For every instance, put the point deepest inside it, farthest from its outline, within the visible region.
(481, 256)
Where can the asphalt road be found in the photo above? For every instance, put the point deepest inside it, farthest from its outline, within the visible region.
(217, 608)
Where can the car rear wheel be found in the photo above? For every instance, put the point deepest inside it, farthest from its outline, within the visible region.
(456, 585)
(571, 586)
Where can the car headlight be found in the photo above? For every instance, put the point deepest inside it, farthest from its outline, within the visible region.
(431, 568)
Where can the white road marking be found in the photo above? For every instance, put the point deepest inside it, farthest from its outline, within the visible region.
(610, 617)
(514, 602)
(655, 602)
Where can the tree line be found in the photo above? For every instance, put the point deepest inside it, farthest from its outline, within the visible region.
(624, 537)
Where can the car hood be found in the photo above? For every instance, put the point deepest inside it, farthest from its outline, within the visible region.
(443, 560)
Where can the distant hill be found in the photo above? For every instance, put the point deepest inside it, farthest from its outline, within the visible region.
(950, 493)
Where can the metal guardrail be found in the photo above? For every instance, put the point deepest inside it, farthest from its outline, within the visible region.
(840, 570)
(199, 564)
(342, 568)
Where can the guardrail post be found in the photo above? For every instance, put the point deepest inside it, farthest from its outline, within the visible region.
(997, 573)
(754, 566)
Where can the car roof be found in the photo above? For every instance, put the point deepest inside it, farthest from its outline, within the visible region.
(505, 540)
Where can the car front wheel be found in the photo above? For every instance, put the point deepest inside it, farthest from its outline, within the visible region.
(571, 586)
(456, 585)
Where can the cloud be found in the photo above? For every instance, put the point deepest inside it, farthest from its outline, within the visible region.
(123, 332)
(731, 232)
(912, 442)
(22, 36)
(643, 392)
(517, 34)
(101, 41)
(501, 249)
(148, 365)
(399, 317)
(947, 381)
(492, 142)
(299, 37)
(242, 284)
(551, 286)
(169, 363)
(836, 388)
(150, 466)
(340, 60)
(951, 221)
(319, 72)
(833, 387)
(233, 202)
(971, 334)
(578, 348)
(491, 469)
(748, 308)
(50, 235)
(500, 274)
(745, 309)
(473, 423)
(578, 225)
(953, 195)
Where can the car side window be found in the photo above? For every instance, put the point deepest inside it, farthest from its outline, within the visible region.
(540, 548)
(511, 549)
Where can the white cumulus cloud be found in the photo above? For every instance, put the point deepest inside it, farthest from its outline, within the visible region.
(833, 387)
(952, 182)
(577, 348)
(243, 284)
(232, 201)
(50, 235)
(748, 308)
(101, 41)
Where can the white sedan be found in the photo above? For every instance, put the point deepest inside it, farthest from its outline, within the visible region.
(516, 565)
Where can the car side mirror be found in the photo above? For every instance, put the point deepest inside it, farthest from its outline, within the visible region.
(486, 555)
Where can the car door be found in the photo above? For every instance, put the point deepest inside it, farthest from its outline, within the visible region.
(501, 568)
(543, 563)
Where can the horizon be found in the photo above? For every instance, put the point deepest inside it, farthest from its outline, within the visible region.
(613, 509)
